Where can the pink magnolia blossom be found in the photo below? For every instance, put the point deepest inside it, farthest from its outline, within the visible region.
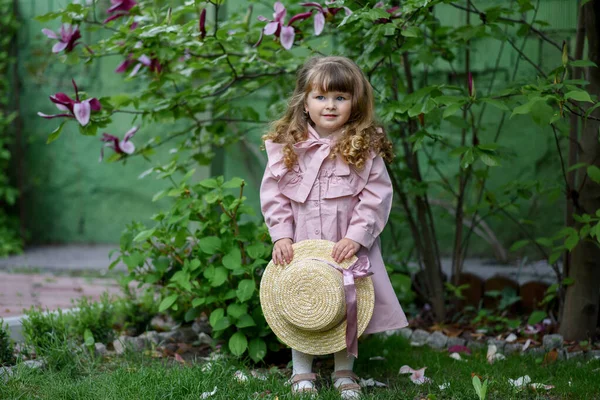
(119, 8)
(67, 38)
(417, 375)
(277, 27)
(202, 23)
(124, 146)
(78, 109)
(394, 13)
(152, 63)
(324, 13)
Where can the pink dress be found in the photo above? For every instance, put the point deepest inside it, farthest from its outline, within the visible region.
(325, 198)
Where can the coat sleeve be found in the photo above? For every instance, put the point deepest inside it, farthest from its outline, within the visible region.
(276, 208)
(373, 208)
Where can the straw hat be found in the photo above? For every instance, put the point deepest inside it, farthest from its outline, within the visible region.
(304, 302)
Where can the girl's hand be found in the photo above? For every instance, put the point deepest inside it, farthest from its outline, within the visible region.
(283, 253)
(344, 249)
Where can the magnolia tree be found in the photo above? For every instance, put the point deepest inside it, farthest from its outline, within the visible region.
(200, 67)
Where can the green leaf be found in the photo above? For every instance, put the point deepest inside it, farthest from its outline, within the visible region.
(215, 316)
(489, 160)
(238, 344)
(519, 244)
(144, 235)
(233, 259)
(222, 324)
(579, 95)
(451, 110)
(496, 103)
(256, 250)
(219, 277)
(55, 133)
(577, 166)
(167, 302)
(245, 321)
(209, 244)
(257, 349)
(159, 195)
(234, 183)
(554, 257)
(198, 301)
(236, 310)
(210, 183)
(245, 290)
(88, 338)
(594, 173)
(582, 63)
(572, 241)
(536, 317)
(411, 31)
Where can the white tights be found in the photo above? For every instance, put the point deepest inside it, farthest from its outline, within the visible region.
(302, 364)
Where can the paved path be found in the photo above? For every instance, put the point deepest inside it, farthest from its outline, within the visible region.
(31, 278)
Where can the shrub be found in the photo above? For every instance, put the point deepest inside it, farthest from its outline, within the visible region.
(205, 255)
(6, 347)
(48, 334)
(93, 321)
(134, 312)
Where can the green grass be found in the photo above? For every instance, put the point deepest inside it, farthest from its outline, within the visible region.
(139, 377)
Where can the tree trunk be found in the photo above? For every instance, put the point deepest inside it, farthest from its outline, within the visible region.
(580, 314)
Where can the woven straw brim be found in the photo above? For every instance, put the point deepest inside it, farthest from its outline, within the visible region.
(312, 342)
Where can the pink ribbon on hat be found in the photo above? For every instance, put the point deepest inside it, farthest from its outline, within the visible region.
(359, 269)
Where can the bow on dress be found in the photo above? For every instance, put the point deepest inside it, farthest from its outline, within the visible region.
(360, 269)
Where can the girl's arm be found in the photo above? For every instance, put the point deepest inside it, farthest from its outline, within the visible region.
(276, 208)
(374, 205)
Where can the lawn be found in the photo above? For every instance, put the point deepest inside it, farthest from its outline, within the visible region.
(137, 376)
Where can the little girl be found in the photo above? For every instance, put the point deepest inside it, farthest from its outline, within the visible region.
(326, 179)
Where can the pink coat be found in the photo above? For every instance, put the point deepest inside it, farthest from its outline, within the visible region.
(324, 198)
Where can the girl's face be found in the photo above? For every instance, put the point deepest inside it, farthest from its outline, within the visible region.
(329, 111)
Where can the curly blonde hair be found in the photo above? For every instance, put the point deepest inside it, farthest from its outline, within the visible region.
(360, 136)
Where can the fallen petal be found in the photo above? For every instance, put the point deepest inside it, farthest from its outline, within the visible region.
(520, 382)
(240, 376)
(459, 349)
(456, 356)
(371, 383)
(417, 344)
(444, 386)
(206, 395)
(511, 338)
(541, 386)
(526, 345)
(377, 358)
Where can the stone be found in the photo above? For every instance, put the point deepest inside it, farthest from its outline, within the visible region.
(593, 355)
(500, 344)
(202, 326)
(406, 333)
(34, 364)
(186, 334)
(419, 336)
(437, 340)
(162, 324)
(554, 341)
(574, 355)
(204, 338)
(151, 337)
(512, 348)
(562, 354)
(100, 349)
(536, 352)
(5, 373)
(170, 336)
(473, 345)
(455, 341)
(127, 342)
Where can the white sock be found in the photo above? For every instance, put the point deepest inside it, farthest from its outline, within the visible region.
(343, 361)
(302, 364)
